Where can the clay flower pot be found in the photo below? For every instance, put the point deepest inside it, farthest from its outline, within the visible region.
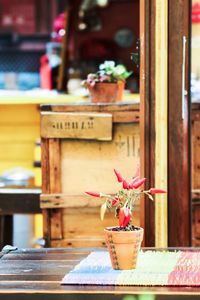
(123, 247)
(120, 90)
(103, 92)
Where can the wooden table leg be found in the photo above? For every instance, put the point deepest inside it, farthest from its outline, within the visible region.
(6, 230)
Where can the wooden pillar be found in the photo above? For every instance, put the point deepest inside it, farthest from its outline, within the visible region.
(165, 120)
(161, 99)
(179, 133)
(147, 114)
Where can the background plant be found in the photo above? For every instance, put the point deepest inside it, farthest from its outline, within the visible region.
(108, 72)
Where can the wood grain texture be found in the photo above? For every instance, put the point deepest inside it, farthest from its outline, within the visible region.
(178, 128)
(92, 126)
(45, 187)
(67, 163)
(39, 275)
(147, 113)
(55, 186)
(64, 201)
(195, 155)
(24, 201)
(161, 117)
(91, 107)
(89, 165)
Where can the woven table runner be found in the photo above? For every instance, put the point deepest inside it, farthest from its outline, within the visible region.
(154, 268)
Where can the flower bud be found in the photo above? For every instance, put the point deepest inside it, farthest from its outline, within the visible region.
(157, 191)
(94, 194)
(114, 201)
(124, 216)
(118, 175)
(138, 183)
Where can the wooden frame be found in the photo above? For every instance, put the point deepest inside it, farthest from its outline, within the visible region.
(147, 113)
(179, 131)
(53, 200)
(178, 124)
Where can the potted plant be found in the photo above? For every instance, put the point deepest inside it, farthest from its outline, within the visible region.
(107, 84)
(124, 241)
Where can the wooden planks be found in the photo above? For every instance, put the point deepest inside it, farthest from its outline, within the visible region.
(179, 163)
(72, 166)
(64, 201)
(178, 120)
(147, 113)
(91, 107)
(75, 125)
(25, 201)
(195, 154)
(51, 183)
(34, 273)
(161, 117)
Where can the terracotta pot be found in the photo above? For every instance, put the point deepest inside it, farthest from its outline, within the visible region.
(123, 247)
(121, 86)
(103, 92)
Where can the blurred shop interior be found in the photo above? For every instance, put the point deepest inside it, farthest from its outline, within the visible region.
(31, 42)
(35, 69)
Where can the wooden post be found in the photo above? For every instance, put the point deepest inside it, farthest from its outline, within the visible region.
(161, 28)
(179, 132)
(147, 114)
(165, 138)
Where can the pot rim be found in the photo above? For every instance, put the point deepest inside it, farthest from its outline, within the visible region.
(109, 229)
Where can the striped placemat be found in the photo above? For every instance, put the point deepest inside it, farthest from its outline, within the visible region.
(154, 268)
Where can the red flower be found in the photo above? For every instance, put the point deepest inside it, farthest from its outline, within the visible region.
(119, 177)
(124, 216)
(94, 194)
(114, 201)
(134, 180)
(125, 184)
(157, 191)
(138, 183)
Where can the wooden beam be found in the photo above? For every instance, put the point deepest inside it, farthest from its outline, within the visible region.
(179, 171)
(161, 28)
(67, 201)
(147, 113)
(55, 187)
(76, 125)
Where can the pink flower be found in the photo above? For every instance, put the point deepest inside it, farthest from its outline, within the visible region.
(104, 78)
(133, 181)
(124, 216)
(157, 191)
(118, 175)
(138, 183)
(94, 194)
(125, 184)
(114, 201)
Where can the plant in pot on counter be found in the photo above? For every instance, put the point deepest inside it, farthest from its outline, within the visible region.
(124, 241)
(107, 84)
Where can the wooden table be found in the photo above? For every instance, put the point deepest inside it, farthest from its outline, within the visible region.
(16, 201)
(36, 274)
